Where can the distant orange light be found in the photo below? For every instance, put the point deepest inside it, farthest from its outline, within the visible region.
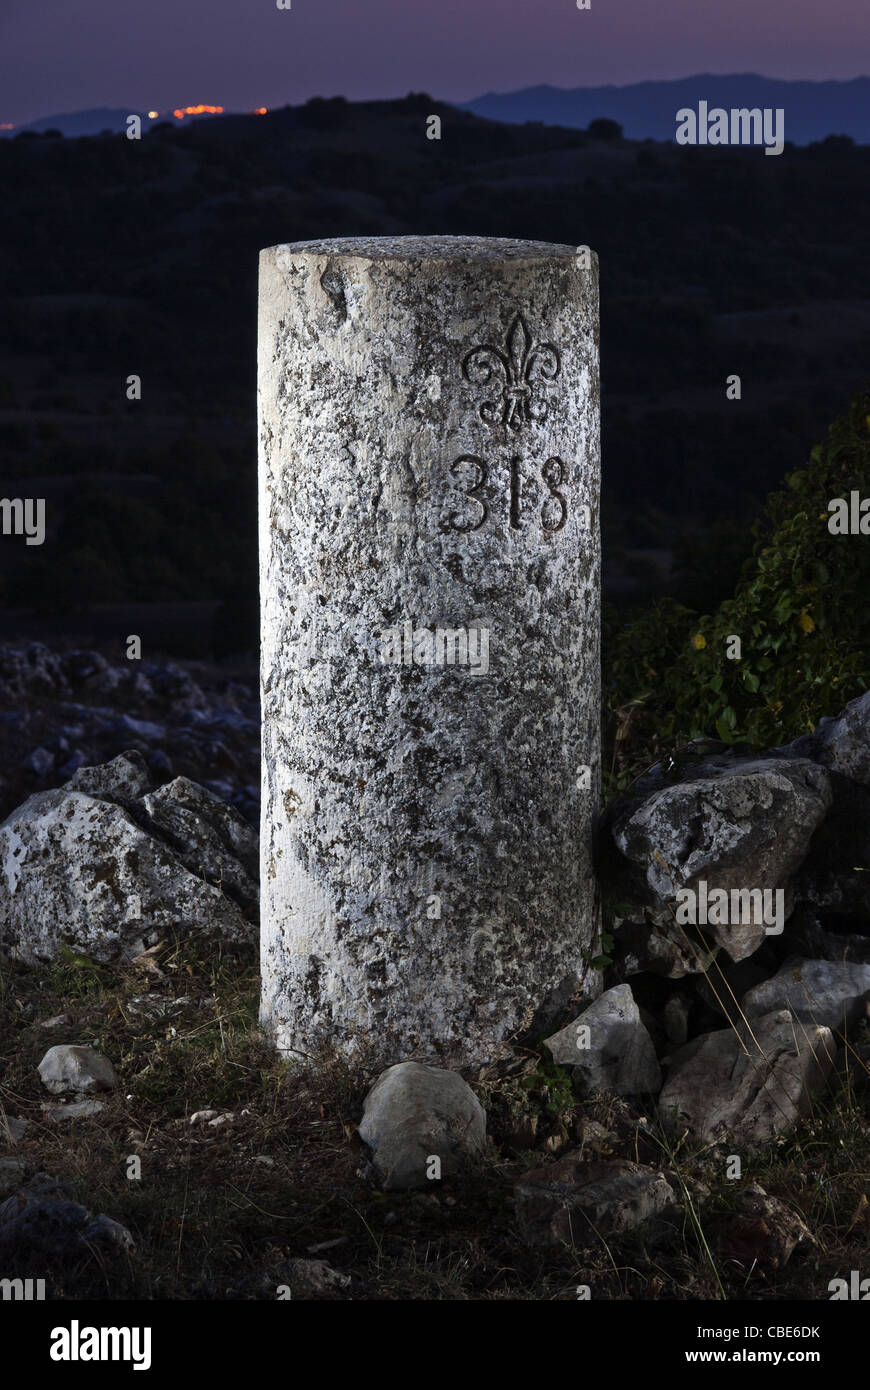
(261, 111)
(152, 115)
(181, 111)
(7, 125)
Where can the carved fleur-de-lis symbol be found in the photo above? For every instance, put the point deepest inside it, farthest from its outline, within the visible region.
(522, 362)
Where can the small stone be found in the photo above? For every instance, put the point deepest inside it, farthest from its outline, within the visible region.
(40, 761)
(12, 1128)
(576, 1203)
(316, 1276)
(414, 1113)
(81, 1070)
(764, 1233)
(619, 1055)
(157, 1005)
(202, 1117)
(75, 1110)
(108, 1233)
(226, 1119)
(57, 1021)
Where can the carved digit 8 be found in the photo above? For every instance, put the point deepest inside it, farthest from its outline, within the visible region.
(472, 492)
(553, 485)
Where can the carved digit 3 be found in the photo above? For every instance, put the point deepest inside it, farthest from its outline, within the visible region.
(553, 485)
(472, 492)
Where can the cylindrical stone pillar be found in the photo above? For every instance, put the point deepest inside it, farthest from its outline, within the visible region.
(430, 572)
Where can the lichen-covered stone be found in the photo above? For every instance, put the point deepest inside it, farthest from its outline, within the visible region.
(415, 1113)
(428, 456)
(746, 826)
(82, 872)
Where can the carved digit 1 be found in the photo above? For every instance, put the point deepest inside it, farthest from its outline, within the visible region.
(472, 491)
(516, 491)
(553, 484)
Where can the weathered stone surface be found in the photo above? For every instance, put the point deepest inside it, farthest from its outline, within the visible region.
(620, 1056)
(60, 1113)
(660, 948)
(210, 837)
(764, 1233)
(748, 826)
(576, 1203)
(414, 1113)
(81, 1070)
(82, 872)
(123, 780)
(832, 993)
(315, 1276)
(845, 741)
(429, 456)
(746, 1087)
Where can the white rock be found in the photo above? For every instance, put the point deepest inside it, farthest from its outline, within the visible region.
(414, 1113)
(81, 1070)
(79, 871)
(619, 1057)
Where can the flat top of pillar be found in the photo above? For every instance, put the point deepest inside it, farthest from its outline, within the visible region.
(434, 248)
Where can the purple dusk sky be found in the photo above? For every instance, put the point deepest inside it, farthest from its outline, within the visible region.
(66, 55)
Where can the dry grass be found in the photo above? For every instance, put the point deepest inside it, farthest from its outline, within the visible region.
(211, 1219)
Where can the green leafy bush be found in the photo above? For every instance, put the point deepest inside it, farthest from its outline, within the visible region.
(800, 610)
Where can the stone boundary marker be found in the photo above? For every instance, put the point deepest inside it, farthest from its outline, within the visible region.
(430, 592)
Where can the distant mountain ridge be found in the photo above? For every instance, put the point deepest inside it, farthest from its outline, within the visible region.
(94, 122)
(647, 110)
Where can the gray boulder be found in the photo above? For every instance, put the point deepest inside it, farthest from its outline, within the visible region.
(616, 1054)
(746, 1085)
(844, 742)
(414, 1113)
(84, 866)
(79, 1070)
(832, 993)
(743, 825)
(576, 1203)
(40, 1220)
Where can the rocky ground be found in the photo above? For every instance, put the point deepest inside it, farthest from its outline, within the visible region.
(701, 1131)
